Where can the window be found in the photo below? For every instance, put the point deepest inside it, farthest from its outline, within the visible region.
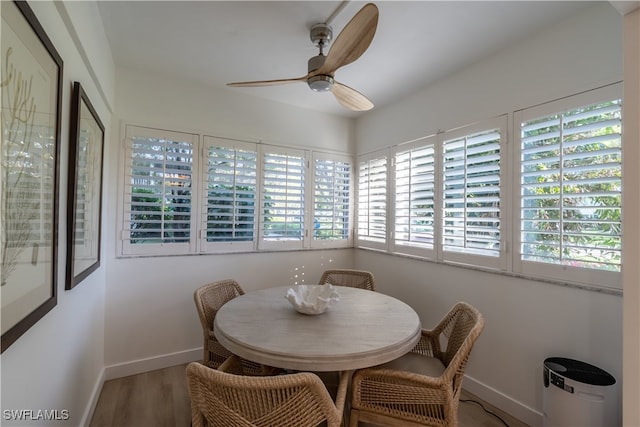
(448, 193)
(229, 204)
(187, 193)
(332, 200)
(283, 198)
(471, 194)
(414, 225)
(447, 196)
(158, 195)
(372, 201)
(570, 210)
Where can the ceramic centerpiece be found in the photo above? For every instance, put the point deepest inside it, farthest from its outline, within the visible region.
(312, 299)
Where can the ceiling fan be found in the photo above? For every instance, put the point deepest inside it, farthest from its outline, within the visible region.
(351, 43)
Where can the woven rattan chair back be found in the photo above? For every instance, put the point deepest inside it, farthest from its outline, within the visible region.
(395, 397)
(352, 278)
(220, 398)
(208, 299)
(456, 329)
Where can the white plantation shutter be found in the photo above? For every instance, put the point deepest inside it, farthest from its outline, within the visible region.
(283, 198)
(229, 204)
(331, 200)
(414, 228)
(158, 197)
(471, 198)
(185, 195)
(570, 190)
(372, 201)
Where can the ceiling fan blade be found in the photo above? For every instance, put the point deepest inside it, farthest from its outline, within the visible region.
(351, 98)
(353, 41)
(267, 82)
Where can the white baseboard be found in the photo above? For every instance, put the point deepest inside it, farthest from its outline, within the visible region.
(151, 364)
(500, 400)
(135, 367)
(93, 401)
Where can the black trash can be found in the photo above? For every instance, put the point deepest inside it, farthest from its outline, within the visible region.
(577, 394)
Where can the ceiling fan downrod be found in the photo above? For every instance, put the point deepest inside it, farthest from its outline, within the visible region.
(321, 35)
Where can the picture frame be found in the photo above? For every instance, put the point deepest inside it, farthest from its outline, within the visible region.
(30, 89)
(84, 200)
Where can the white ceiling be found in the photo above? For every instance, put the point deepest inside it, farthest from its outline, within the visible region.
(416, 43)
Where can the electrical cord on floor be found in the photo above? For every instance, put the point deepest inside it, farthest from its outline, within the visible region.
(485, 410)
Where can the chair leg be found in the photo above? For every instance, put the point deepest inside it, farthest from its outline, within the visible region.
(353, 418)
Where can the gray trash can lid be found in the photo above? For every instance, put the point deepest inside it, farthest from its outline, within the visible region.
(579, 371)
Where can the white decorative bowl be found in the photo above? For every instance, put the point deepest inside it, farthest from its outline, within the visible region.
(312, 299)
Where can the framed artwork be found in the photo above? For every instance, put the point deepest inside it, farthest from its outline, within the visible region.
(30, 88)
(84, 204)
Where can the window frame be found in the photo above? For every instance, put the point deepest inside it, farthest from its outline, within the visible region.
(594, 278)
(332, 243)
(226, 246)
(198, 244)
(367, 241)
(125, 247)
(408, 247)
(283, 243)
(468, 257)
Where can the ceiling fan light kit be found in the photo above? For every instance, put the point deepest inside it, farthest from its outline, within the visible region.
(320, 83)
(351, 43)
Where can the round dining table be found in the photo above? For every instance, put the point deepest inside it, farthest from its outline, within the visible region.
(365, 328)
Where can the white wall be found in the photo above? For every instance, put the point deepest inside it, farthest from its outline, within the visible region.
(151, 319)
(526, 321)
(581, 53)
(631, 202)
(58, 363)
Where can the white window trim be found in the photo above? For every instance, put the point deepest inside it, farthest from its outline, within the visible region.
(574, 275)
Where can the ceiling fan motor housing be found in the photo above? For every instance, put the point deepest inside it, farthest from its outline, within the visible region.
(320, 82)
(315, 62)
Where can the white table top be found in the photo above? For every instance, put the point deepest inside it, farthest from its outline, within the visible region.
(364, 329)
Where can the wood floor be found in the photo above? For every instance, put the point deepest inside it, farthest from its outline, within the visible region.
(160, 399)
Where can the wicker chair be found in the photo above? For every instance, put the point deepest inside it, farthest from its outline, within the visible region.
(423, 387)
(209, 298)
(225, 397)
(352, 278)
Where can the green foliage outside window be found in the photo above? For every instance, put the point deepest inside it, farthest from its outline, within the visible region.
(572, 180)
